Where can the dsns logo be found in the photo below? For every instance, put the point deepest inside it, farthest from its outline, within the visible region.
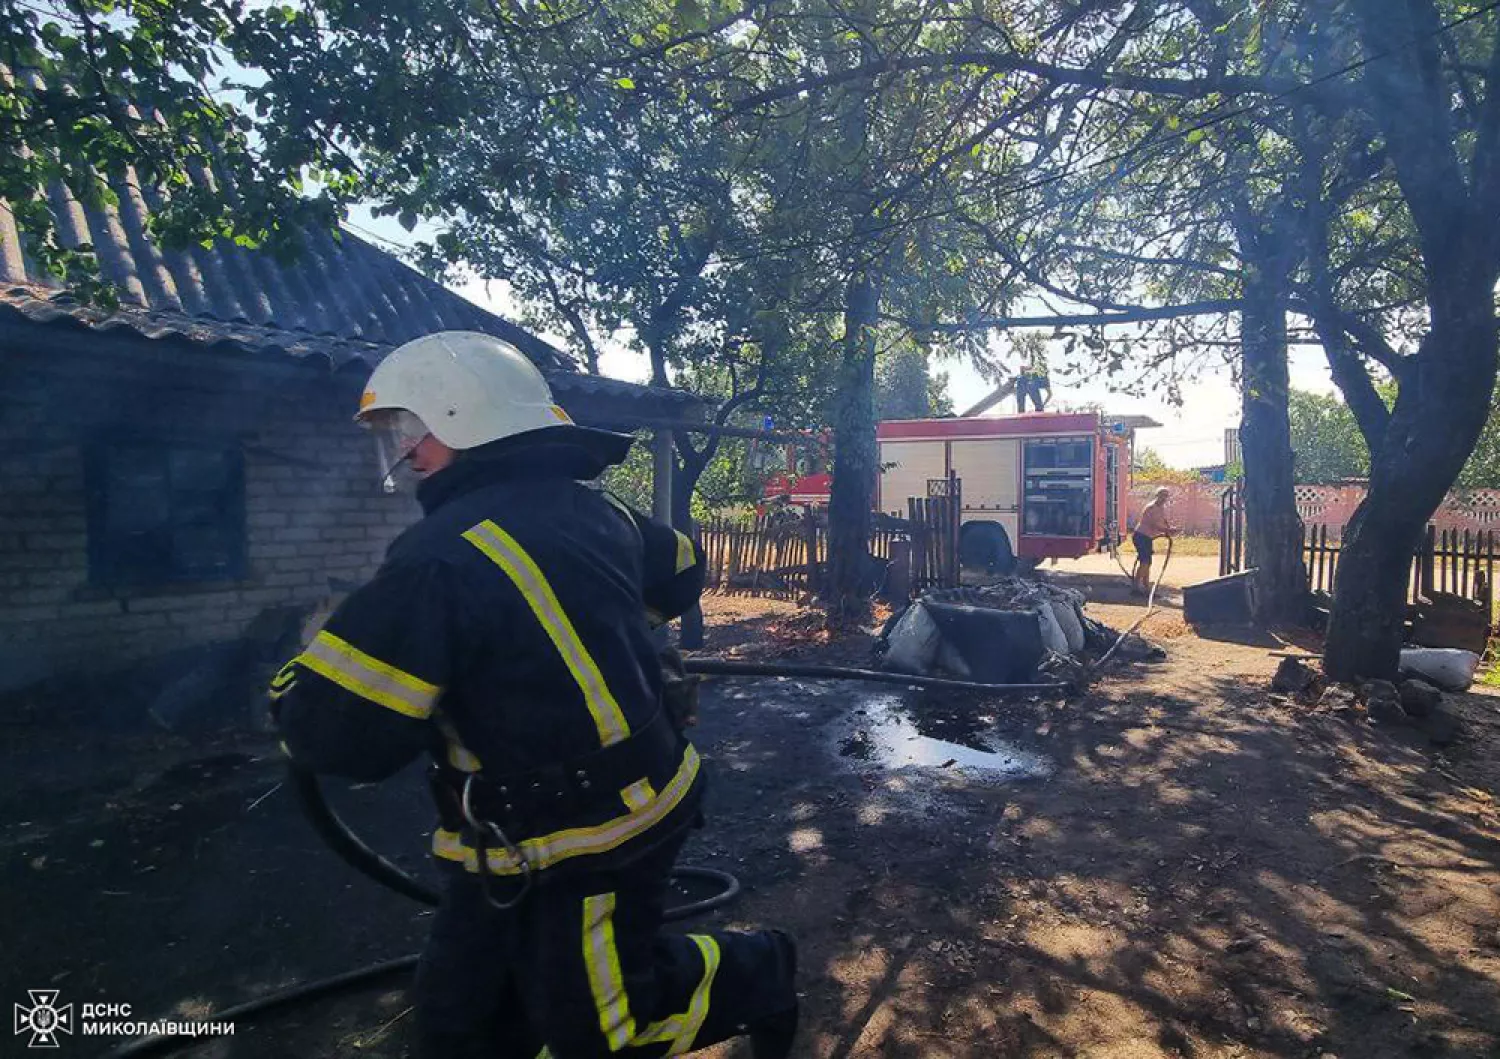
(44, 1019)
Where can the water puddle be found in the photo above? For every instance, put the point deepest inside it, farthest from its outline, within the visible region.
(887, 731)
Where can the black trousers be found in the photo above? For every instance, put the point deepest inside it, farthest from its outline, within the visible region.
(1029, 386)
(581, 969)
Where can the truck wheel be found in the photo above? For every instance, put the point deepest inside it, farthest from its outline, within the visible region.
(986, 545)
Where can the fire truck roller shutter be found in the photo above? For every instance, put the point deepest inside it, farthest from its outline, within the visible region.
(986, 546)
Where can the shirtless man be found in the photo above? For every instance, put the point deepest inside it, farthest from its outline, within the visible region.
(1153, 523)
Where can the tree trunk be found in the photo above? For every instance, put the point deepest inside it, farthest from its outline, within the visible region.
(1273, 532)
(684, 480)
(855, 456)
(1440, 411)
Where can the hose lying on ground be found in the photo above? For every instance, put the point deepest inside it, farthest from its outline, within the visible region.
(729, 668)
(1150, 607)
(353, 850)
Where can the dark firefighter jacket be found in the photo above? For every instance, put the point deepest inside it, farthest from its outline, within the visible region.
(507, 634)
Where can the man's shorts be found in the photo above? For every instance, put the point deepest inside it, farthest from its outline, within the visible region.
(1142, 546)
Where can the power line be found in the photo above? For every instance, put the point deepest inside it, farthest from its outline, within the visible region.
(373, 236)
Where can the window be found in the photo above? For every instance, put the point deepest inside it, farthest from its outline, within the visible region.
(165, 512)
(1058, 491)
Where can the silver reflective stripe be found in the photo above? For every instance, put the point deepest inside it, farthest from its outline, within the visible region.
(504, 551)
(368, 677)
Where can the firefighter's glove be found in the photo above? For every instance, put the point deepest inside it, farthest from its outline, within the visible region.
(283, 682)
(679, 690)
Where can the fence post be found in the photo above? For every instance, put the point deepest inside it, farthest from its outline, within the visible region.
(898, 581)
(810, 534)
(1471, 564)
(1489, 577)
(1429, 549)
(956, 513)
(1226, 532)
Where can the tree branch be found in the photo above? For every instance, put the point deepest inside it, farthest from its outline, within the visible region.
(1137, 315)
(1146, 259)
(1002, 62)
(1371, 342)
(1487, 145)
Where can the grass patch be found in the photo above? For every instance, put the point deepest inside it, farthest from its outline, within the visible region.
(1489, 666)
(1199, 546)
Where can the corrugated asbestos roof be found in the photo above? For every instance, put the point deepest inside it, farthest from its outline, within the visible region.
(343, 299)
(41, 305)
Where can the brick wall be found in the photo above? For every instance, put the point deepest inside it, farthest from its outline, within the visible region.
(314, 510)
(1196, 507)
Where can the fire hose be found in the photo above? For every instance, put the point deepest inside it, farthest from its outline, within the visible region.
(1150, 604)
(339, 837)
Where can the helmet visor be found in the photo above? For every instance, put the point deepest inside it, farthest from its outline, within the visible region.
(397, 433)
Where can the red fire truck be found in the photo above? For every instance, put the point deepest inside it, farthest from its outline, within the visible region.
(1039, 485)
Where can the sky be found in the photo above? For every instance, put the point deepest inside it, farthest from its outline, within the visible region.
(1191, 435)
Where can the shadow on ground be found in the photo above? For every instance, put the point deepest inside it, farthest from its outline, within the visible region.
(1197, 872)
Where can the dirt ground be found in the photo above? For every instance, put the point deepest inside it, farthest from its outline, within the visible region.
(1177, 864)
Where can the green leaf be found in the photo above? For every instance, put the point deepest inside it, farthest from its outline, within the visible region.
(1253, 38)
(625, 83)
(690, 15)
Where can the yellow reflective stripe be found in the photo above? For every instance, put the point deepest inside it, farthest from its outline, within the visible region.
(638, 795)
(698, 1007)
(368, 677)
(602, 960)
(459, 756)
(283, 681)
(687, 555)
(682, 1030)
(668, 1029)
(462, 758)
(547, 850)
(501, 548)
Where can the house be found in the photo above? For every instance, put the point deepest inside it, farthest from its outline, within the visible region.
(180, 468)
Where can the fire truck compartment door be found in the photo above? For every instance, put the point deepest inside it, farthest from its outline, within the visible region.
(990, 472)
(906, 468)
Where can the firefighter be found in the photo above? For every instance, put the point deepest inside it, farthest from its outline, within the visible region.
(1032, 380)
(509, 634)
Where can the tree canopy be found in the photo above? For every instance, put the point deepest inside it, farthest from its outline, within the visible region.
(764, 196)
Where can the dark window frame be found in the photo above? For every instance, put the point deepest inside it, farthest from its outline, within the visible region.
(111, 564)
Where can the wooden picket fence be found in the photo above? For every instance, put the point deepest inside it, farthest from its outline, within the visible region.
(934, 522)
(768, 555)
(1459, 562)
(1231, 530)
(785, 555)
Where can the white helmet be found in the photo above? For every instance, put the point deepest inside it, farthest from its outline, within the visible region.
(468, 389)
(464, 388)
